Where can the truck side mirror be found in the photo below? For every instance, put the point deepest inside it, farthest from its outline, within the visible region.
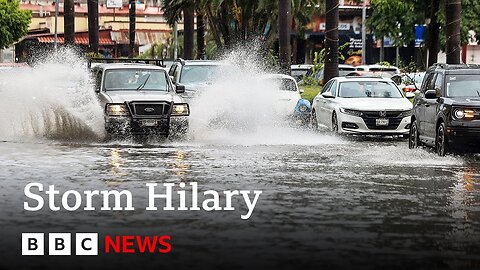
(180, 88)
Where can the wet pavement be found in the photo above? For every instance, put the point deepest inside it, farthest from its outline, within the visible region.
(327, 201)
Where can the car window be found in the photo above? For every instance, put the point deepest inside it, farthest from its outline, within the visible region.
(98, 80)
(429, 82)
(333, 88)
(283, 84)
(326, 87)
(135, 79)
(463, 85)
(438, 84)
(199, 74)
(369, 89)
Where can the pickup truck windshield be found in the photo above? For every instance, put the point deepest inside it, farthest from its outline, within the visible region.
(136, 79)
(366, 89)
(463, 85)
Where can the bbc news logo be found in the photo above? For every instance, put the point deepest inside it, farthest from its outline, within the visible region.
(86, 244)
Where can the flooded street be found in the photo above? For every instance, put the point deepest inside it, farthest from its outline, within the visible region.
(331, 201)
(328, 202)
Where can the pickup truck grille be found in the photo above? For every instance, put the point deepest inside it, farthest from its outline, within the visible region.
(370, 119)
(149, 109)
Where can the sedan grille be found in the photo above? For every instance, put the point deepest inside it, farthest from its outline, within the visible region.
(394, 119)
(150, 109)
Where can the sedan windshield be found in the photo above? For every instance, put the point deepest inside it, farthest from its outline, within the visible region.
(463, 85)
(369, 89)
(136, 79)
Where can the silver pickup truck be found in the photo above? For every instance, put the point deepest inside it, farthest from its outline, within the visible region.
(140, 99)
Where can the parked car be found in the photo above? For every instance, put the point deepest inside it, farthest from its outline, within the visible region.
(392, 70)
(446, 112)
(362, 105)
(196, 75)
(300, 71)
(343, 70)
(290, 102)
(140, 99)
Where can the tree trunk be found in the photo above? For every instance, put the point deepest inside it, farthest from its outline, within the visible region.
(433, 33)
(93, 25)
(188, 32)
(331, 40)
(131, 32)
(69, 22)
(452, 16)
(200, 36)
(284, 10)
(382, 49)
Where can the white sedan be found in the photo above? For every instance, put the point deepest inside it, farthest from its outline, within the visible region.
(290, 102)
(362, 105)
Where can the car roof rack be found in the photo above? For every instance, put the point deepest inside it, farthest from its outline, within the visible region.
(455, 66)
(156, 62)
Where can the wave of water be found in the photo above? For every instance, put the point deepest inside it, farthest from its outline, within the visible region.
(53, 100)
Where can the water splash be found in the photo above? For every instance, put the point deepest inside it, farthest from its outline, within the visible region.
(240, 108)
(54, 100)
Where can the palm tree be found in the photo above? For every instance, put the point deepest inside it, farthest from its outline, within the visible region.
(93, 25)
(331, 40)
(453, 9)
(69, 22)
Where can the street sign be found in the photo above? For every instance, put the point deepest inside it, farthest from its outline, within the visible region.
(114, 3)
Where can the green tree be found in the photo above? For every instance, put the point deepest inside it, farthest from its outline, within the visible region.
(13, 22)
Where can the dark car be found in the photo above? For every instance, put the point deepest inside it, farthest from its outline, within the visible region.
(447, 109)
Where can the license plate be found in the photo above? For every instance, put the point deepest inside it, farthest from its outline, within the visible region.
(149, 123)
(381, 122)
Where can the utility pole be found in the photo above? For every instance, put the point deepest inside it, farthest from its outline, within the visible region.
(131, 31)
(453, 9)
(93, 25)
(69, 21)
(284, 13)
(55, 35)
(364, 33)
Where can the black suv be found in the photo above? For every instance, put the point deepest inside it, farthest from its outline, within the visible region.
(447, 110)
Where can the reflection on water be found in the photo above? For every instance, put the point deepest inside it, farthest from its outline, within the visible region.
(178, 165)
(357, 200)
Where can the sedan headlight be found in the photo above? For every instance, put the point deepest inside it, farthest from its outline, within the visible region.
(351, 112)
(406, 113)
(117, 110)
(180, 109)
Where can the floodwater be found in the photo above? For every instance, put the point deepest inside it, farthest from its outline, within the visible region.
(328, 202)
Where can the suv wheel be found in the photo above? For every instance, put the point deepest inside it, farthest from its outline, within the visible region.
(335, 123)
(441, 141)
(413, 141)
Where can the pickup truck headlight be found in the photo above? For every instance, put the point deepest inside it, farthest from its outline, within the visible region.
(351, 112)
(117, 110)
(180, 109)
